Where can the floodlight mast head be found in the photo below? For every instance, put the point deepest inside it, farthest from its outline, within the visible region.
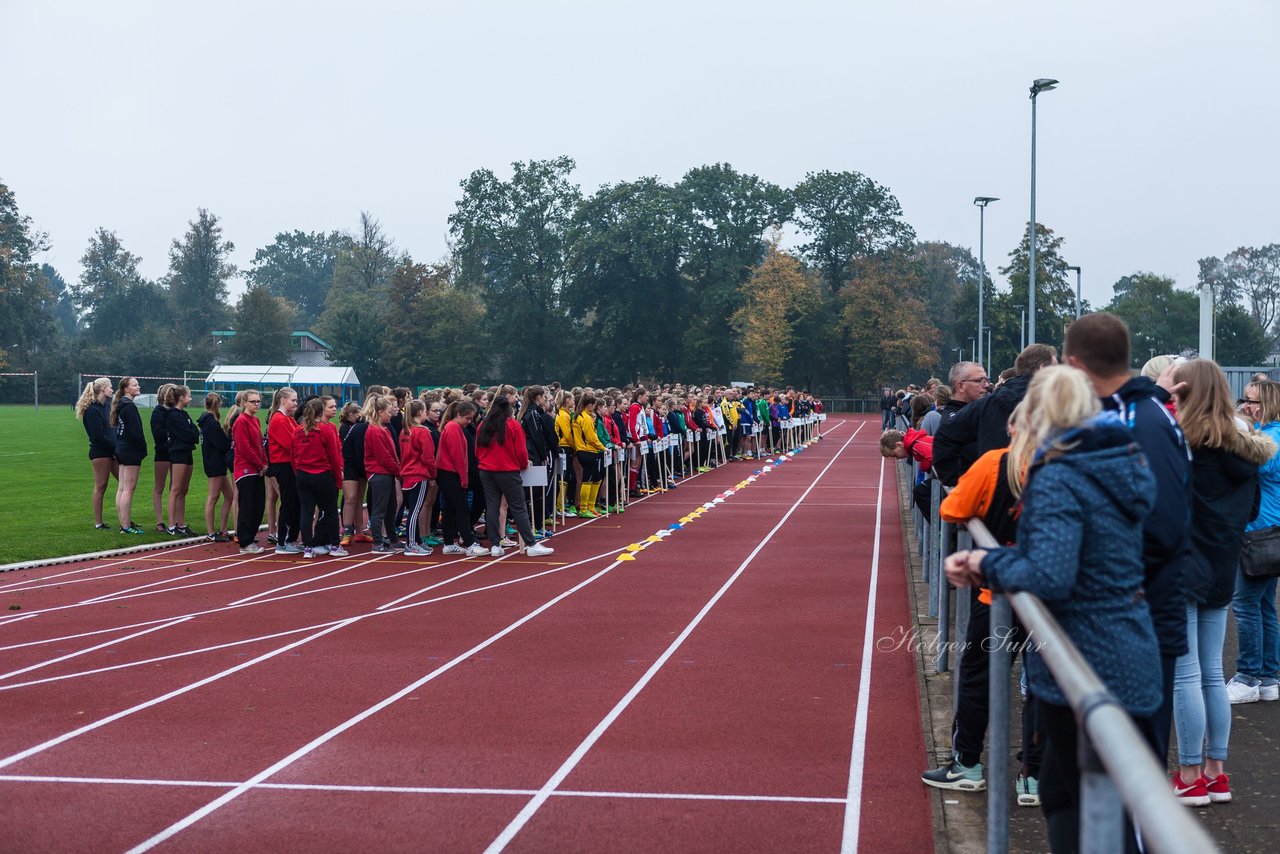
(983, 201)
(1042, 84)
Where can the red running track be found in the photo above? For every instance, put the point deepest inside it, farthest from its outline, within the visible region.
(718, 689)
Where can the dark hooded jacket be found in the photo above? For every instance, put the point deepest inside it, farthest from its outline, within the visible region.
(975, 429)
(1166, 542)
(1224, 498)
(1078, 550)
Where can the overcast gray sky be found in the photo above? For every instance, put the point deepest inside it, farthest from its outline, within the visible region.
(1158, 148)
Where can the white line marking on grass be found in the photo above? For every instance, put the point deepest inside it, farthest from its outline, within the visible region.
(522, 818)
(853, 797)
(90, 649)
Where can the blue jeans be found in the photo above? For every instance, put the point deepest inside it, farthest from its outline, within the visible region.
(886, 419)
(1201, 711)
(1254, 605)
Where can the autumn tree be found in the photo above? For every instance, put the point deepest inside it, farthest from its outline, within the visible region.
(436, 331)
(776, 296)
(889, 332)
(1055, 292)
(355, 313)
(299, 267)
(200, 269)
(262, 325)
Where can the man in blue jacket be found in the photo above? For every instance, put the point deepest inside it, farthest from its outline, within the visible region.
(1098, 344)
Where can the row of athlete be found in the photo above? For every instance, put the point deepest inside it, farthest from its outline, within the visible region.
(657, 439)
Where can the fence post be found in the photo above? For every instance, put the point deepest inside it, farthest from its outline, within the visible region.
(998, 726)
(964, 599)
(1102, 824)
(35, 378)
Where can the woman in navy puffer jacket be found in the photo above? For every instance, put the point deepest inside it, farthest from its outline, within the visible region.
(1080, 550)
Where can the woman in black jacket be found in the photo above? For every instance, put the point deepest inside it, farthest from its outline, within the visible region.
(1224, 488)
(214, 447)
(92, 412)
(131, 450)
(183, 437)
(541, 443)
(159, 414)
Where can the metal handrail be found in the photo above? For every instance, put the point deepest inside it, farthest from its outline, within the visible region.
(1118, 766)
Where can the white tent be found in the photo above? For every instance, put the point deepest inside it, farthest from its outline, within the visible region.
(335, 380)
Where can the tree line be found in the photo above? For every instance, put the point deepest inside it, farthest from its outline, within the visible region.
(637, 280)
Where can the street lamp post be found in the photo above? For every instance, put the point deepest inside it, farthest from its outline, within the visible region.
(1077, 269)
(987, 329)
(1022, 328)
(1043, 84)
(982, 202)
(959, 353)
(973, 350)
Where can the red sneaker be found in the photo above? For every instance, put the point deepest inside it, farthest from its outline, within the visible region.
(1194, 794)
(1219, 788)
(362, 538)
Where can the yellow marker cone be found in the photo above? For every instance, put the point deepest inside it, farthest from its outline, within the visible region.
(634, 547)
(626, 556)
(653, 540)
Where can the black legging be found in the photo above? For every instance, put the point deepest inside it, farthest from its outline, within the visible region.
(287, 485)
(456, 519)
(590, 463)
(317, 490)
(251, 498)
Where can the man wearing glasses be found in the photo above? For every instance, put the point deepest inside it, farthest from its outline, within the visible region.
(968, 383)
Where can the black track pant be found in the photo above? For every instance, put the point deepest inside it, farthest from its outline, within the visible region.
(287, 485)
(414, 500)
(316, 490)
(251, 496)
(456, 519)
(497, 486)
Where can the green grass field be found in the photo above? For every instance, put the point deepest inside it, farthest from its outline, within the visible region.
(46, 485)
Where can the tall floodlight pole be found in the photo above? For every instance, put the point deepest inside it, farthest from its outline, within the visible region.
(982, 202)
(1022, 328)
(973, 349)
(1077, 269)
(1044, 84)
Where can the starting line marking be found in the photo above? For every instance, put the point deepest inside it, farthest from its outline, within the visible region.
(420, 790)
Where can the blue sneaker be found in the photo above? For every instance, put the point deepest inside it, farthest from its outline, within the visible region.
(956, 776)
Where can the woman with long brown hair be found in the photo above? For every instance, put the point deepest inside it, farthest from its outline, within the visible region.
(215, 444)
(131, 450)
(183, 436)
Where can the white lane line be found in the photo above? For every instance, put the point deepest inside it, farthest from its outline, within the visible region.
(54, 742)
(552, 784)
(260, 777)
(95, 578)
(288, 632)
(422, 790)
(339, 571)
(122, 594)
(104, 565)
(853, 797)
(90, 649)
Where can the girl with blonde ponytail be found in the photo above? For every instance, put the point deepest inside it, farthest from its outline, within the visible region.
(91, 409)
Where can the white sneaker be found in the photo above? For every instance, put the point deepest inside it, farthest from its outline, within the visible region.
(321, 550)
(453, 549)
(496, 551)
(507, 543)
(477, 550)
(338, 551)
(1269, 693)
(417, 550)
(1239, 691)
(539, 550)
(251, 549)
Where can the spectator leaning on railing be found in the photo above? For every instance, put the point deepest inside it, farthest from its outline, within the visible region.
(1098, 344)
(1086, 495)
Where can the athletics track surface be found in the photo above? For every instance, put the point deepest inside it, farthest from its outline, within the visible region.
(715, 693)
